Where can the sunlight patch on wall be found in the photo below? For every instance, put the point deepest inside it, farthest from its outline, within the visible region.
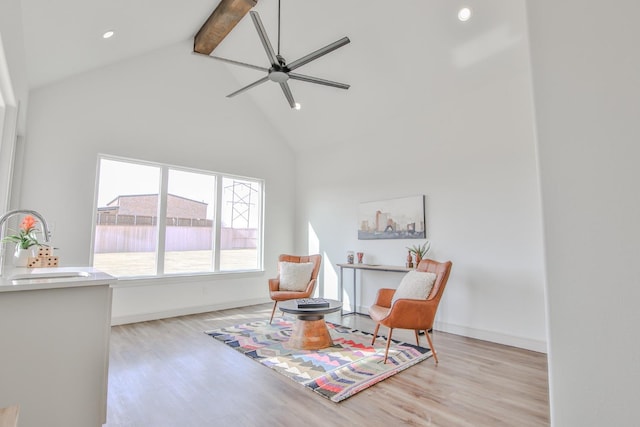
(313, 241)
(330, 278)
(327, 286)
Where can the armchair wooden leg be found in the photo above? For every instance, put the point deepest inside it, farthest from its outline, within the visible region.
(275, 303)
(417, 338)
(386, 352)
(433, 350)
(375, 334)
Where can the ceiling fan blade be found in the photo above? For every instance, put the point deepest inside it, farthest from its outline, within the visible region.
(288, 94)
(263, 38)
(249, 86)
(231, 61)
(318, 53)
(302, 77)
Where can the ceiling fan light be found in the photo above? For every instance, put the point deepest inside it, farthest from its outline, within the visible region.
(464, 14)
(278, 76)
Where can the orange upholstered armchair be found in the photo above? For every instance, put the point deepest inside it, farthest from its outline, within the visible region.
(297, 277)
(416, 314)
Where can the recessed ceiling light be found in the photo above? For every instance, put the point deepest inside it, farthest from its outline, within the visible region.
(108, 35)
(297, 106)
(464, 14)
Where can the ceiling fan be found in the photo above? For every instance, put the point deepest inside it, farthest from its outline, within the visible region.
(280, 71)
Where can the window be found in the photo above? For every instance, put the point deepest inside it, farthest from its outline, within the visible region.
(8, 131)
(156, 220)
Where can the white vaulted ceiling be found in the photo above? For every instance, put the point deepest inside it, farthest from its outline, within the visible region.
(402, 56)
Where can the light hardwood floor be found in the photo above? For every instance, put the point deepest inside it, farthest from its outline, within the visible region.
(169, 373)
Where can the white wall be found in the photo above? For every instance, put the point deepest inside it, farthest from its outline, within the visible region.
(586, 63)
(13, 93)
(467, 143)
(464, 139)
(168, 107)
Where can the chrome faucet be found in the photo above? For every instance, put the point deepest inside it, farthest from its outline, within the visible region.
(6, 216)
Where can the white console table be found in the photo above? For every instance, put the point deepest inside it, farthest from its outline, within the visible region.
(372, 267)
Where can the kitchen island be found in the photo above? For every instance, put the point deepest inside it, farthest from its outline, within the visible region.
(54, 345)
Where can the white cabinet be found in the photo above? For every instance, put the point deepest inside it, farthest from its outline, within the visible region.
(54, 354)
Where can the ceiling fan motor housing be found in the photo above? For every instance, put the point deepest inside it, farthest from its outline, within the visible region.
(279, 72)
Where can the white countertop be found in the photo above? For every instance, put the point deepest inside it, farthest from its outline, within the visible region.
(29, 279)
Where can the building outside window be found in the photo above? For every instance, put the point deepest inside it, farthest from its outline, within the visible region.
(156, 220)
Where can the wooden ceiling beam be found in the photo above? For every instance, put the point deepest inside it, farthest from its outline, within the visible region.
(220, 23)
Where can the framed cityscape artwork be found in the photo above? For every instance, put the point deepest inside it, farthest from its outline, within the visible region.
(401, 218)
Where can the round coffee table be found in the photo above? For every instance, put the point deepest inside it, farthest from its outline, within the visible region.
(309, 331)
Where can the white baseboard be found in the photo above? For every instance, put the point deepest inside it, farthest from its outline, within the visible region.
(484, 335)
(144, 317)
(496, 337)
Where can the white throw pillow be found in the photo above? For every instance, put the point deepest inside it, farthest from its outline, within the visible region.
(415, 285)
(295, 276)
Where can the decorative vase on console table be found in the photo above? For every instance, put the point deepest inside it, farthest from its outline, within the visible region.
(409, 260)
(418, 259)
(419, 251)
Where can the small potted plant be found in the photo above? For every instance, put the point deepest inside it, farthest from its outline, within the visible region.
(26, 241)
(419, 251)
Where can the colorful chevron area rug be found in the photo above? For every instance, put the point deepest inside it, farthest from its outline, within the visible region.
(337, 372)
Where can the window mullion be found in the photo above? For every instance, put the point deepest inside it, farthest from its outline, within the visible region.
(217, 224)
(162, 220)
